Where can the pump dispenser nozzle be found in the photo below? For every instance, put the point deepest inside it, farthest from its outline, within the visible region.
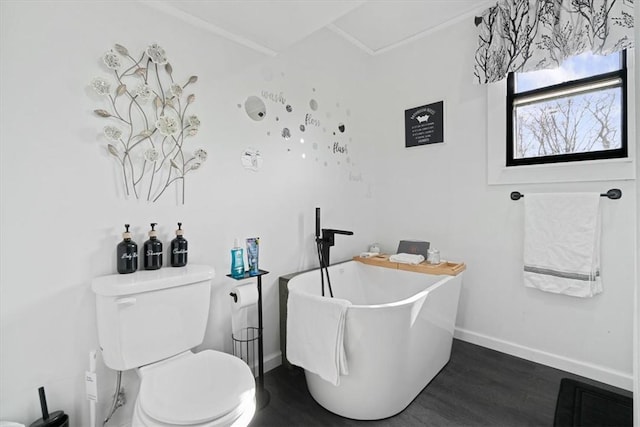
(126, 234)
(153, 232)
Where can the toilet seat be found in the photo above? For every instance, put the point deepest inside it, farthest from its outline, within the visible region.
(205, 388)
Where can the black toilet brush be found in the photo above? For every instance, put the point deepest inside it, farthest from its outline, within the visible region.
(55, 419)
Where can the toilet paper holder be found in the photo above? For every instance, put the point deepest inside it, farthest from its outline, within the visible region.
(262, 395)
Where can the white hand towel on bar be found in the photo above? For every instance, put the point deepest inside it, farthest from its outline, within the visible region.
(562, 243)
(315, 334)
(407, 258)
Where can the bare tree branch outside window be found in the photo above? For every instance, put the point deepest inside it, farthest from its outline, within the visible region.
(574, 124)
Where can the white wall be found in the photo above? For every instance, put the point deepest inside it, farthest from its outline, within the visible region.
(636, 337)
(440, 193)
(63, 210)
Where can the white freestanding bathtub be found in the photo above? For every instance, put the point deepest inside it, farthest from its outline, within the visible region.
(398, 336)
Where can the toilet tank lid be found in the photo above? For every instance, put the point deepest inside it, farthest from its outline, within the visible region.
(151, 280)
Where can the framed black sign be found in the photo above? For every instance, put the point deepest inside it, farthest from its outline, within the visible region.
(424, 125)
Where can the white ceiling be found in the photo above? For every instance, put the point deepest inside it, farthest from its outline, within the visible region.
(271, 26)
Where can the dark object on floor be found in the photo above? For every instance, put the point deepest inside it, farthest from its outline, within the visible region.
(581, 404)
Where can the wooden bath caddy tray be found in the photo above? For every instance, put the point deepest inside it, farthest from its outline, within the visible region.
(448, 268)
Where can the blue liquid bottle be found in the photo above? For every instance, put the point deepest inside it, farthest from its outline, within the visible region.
(237, 261)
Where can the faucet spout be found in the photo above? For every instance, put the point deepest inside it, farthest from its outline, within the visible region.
(327, 240)
(331, 230)
(323, 244)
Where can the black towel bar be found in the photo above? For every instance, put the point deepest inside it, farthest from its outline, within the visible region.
(614, 194)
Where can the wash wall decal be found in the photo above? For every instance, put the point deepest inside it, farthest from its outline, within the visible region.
(149, 122)
(290, 121)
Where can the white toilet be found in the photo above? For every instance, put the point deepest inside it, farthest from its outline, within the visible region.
(150, 320)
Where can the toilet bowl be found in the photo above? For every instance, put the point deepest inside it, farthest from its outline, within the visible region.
(150, 321)
(204, 389)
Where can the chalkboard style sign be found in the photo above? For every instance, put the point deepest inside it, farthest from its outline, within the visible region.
(424, 125)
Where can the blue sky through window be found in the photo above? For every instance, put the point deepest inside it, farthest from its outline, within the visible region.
(575, 67)
(554, 123)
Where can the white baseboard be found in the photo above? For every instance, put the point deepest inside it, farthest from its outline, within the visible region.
(589, 370)
(272, 361)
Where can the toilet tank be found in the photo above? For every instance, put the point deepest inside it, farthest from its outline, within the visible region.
(150, 315)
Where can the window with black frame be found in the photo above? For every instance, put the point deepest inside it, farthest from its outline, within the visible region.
(571, 113)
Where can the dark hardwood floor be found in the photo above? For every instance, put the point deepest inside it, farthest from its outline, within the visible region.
(478, 387)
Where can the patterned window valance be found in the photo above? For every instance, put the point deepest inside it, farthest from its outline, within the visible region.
(527, 35)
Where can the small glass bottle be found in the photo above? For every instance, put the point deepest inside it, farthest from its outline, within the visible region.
(433, 256)
(127, 253)
(179, 249)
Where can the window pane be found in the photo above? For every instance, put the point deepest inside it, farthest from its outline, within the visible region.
(575, 67)
(571, 124)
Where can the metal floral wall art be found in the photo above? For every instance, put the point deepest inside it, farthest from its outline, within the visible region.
(149, 122)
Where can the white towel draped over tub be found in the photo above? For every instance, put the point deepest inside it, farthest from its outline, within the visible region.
(315, 334)
(562, 243)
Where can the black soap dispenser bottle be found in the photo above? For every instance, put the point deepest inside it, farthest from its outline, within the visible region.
(179, 249)
(127, 253)
(152, 250)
